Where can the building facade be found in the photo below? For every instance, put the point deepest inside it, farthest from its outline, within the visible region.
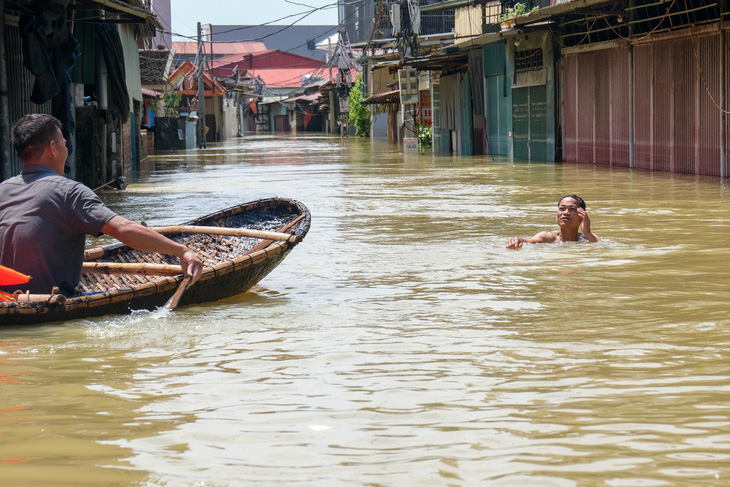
(638, 84)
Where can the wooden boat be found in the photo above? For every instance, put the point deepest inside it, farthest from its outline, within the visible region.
(118, 279)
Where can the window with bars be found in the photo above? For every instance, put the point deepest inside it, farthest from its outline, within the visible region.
(528, 60)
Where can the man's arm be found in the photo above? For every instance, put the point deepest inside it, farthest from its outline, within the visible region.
(142, 238)
(515, 243)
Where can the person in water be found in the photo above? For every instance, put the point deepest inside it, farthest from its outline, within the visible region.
(571, 216)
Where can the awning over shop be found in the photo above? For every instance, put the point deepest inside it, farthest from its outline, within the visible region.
(441, 62)
(311, 98)
(389, 97)
(132, 9)
(148, 92)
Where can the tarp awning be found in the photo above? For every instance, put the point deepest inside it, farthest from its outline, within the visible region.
(389, 97)
(312, 97)
(148, 92)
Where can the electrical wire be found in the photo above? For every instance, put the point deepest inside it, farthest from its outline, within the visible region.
(699, 66)
(664, 17)
(286, 27)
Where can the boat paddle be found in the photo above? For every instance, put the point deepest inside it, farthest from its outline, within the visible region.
(175, 300)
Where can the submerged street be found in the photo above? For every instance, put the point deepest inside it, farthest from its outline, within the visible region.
(400, 343)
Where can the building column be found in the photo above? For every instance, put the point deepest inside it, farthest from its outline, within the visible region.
(631, 106)
(5, 171)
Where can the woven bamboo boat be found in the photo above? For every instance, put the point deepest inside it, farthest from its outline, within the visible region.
(231, 265)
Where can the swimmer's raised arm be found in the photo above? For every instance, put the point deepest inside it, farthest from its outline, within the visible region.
(515, 243)
(586, 226)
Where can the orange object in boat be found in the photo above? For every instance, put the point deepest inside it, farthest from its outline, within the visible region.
(10, 276)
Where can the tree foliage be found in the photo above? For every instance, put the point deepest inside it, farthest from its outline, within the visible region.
(359, 113)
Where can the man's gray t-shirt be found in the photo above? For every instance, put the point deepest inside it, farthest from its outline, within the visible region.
(44, 220)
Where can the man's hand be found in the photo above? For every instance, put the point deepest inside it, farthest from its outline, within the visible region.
(585, 221)
(586, 225)
(515, 243)
(191, 265)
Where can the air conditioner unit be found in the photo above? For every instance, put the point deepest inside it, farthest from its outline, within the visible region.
(408, 85)
(395, 18)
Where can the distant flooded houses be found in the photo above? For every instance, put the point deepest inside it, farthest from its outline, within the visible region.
(630, 83)
(123, 89)
(637, 84)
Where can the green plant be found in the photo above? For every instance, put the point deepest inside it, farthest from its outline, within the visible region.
(171, 104)
(518, 9)
(424, 136)
(359, 113)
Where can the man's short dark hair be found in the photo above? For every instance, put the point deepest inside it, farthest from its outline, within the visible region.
(577, 198)
(32, 133)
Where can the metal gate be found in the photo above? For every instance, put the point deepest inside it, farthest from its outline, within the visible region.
(529, 123)
(20, 86)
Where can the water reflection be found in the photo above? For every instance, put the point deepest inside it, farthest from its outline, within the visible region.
(401, 343)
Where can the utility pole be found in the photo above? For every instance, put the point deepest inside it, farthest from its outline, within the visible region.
(201, 92)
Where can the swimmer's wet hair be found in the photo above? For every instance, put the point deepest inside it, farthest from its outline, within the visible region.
(577, 198)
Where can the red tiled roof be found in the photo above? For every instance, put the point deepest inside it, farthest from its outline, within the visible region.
(271, 59)
(285, 77)
(227, 48)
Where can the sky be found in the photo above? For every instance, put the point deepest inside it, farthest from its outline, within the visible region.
(187, 13)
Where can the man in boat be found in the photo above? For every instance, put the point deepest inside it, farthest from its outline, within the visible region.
(45, 217)
(571, 216)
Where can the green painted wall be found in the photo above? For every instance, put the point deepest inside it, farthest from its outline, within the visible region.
(465, 135)
(498, 99)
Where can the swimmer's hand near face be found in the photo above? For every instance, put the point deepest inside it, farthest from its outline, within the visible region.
(586, 225)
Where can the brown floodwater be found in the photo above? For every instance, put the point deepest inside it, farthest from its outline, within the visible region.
(400, 343)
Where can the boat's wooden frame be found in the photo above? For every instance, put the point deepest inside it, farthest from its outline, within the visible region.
(220, 278)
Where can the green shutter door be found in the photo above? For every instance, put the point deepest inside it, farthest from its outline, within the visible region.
(521, 122)
(529, 123)
(538, 123)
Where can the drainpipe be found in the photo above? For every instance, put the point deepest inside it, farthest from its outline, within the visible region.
(331, 115)
(723, 114)
(4, 110)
